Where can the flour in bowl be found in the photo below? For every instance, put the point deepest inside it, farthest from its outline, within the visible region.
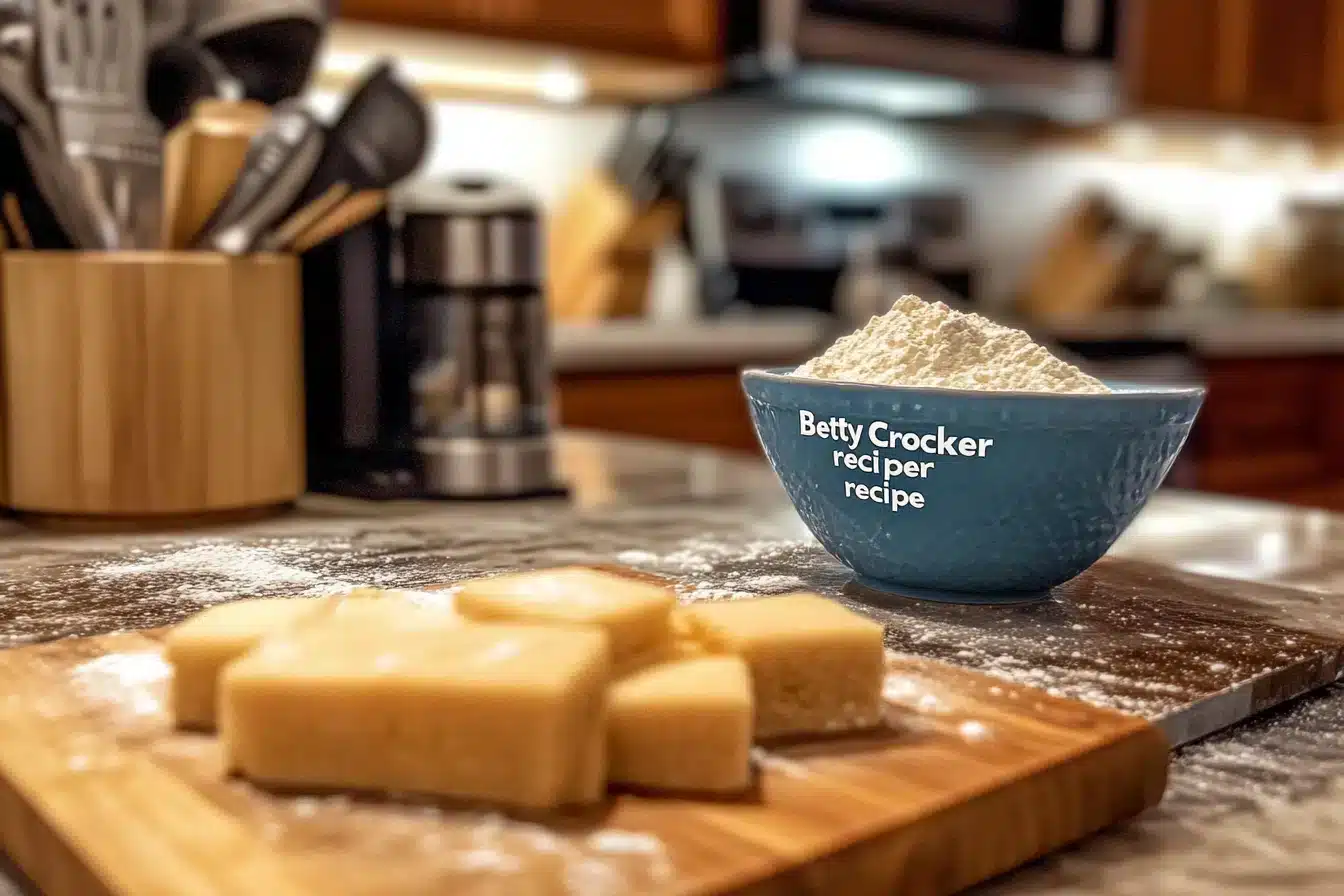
(918, 343)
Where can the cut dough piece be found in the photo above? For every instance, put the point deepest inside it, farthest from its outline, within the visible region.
(200, 647)
(685, 645)
(635, 614)
(389, 609)
(588, 785)
(363, 591)
(815, 666)
(670, 650)
(680, 623)
(685, 726)
(506, 714)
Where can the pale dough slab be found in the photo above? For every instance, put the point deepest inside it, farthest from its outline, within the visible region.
(816, 667)
(509, 715)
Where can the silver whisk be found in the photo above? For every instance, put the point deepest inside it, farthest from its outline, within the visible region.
(93, 58)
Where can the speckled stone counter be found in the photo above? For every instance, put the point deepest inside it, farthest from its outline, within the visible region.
(1255, 810)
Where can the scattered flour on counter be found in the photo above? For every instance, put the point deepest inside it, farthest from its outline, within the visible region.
(242, 564)
(1099, 677)
(209, 572)
(706, 556)
(698, 558)
(918, 343)
(637, 558)
(734, 589)
(444, 599)
(770, 583)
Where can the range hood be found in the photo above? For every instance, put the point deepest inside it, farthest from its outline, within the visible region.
(907, 57)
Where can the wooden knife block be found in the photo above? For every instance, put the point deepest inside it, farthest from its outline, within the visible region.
(149, 388)
(600, 251)
(1079, 271)
(201, 160)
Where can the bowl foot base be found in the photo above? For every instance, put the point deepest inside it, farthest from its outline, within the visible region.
(877, 589)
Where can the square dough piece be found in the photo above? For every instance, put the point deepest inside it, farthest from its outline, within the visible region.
(509, 715)
(635, 614)
(816, 667)
(199, 648)
(684, 726)
(670, 650)
(388, 609)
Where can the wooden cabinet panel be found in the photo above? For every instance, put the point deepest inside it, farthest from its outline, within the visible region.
(704, 407)
(1262, 474)
(685, 30)
(1171, 53)
(1260, 404)
(1262, 58)
(1284, 63)
(1273, 428)
(1330, 419)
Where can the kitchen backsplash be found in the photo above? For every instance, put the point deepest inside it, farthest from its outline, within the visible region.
(1016, 189)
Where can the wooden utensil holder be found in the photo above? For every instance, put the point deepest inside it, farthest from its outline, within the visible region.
(152, 387)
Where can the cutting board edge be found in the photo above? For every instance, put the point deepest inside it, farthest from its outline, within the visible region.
(64, 863)
(43, 856)
(1150, 772)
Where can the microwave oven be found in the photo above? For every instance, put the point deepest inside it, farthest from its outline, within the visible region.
(1016, 52)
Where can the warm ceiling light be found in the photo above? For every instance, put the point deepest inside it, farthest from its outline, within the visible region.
(561, 82)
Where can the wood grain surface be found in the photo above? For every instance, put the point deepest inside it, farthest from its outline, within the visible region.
(976, 776)
(677, 29)
(142, 384)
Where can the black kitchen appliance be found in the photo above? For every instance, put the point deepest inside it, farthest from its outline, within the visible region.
(426, 350)
(1043, 29)
(471, 273)
(1053, 58)
(357, 368)
(763, 244)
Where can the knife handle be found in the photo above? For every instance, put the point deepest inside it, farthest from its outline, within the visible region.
(277, 167)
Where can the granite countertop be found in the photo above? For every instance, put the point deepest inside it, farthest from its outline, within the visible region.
(1214, 332)
(640, 345)
(1258, 809)
(662, 345)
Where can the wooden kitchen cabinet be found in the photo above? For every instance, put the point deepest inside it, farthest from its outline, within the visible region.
(1170, 53)
(1273, 428)
(1276, 59)
(682, 30)
(1283, 58)
(702, 407)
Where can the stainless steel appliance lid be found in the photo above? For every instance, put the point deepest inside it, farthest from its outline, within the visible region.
(470, 232)
(464, 194)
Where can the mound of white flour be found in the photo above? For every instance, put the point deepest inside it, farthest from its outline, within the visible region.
(917, 343)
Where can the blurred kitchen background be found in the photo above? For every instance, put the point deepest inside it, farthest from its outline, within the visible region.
(1155, 186)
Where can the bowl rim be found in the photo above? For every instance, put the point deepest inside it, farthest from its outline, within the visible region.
(1138, 392)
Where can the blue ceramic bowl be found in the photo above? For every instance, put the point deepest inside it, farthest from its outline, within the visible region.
(965, 495)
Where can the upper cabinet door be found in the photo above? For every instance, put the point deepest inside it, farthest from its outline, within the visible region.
(683, 30)
(1283, 66)
(1261, 58)
(1170, 54)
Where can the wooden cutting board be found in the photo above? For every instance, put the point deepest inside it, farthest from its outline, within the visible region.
(99, 795)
